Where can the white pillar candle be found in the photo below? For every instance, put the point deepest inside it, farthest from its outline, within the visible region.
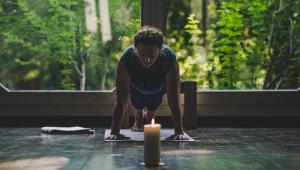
(152, 144)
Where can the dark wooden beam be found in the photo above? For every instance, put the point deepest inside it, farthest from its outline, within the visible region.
(189, 89)
(154, 13)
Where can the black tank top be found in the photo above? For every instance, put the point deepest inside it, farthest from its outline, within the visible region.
(151, 80)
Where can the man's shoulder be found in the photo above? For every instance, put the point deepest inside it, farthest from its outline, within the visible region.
(128, 52)
(129, 48)
(167, 51)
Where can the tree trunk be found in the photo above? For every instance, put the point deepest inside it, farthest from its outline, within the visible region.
(90, 16)
(204, 20)
(103, 80)
(106, 35)
(268, 77)
(82, 77)
(105, 21)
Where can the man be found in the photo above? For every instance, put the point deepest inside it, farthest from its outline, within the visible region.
(146, 71)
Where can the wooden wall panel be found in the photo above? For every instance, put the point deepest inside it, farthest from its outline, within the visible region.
(279, 103)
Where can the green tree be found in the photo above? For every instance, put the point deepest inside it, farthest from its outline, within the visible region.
(48, 46)
(283, 45)
(23, 63)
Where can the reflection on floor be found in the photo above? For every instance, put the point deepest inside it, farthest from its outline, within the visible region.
(215, 148)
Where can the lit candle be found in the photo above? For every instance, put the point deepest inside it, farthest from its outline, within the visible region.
(152, 144)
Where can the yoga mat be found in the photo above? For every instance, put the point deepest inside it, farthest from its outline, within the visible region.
(139, 136)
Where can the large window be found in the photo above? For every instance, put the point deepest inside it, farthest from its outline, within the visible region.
(222, 44)
(72, 44)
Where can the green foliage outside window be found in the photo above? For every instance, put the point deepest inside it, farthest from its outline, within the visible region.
(249, 45)
(46, 45)
(239, 45)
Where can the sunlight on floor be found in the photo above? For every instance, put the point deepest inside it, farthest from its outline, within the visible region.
(45, 163)
(188, 152)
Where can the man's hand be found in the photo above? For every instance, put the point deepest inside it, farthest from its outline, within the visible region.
(117, 137)
(177, 137)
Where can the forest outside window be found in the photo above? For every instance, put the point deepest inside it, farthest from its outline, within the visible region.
(223, 45)
(237, 44)
(72, 44)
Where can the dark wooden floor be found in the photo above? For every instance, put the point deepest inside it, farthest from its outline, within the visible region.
(216, 148)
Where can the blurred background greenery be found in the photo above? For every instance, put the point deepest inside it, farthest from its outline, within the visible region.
(222, 44)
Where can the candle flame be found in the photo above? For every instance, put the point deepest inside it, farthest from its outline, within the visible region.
(152, 121)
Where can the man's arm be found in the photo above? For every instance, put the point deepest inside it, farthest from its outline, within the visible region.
(122, 89)
(173, 91)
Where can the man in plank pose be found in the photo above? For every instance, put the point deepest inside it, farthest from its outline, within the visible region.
(146, 71)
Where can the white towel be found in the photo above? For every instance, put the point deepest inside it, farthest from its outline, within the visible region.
(67, 130)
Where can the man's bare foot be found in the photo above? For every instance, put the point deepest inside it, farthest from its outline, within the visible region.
(136, 129)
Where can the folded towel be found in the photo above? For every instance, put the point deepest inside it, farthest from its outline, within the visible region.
(67, 130)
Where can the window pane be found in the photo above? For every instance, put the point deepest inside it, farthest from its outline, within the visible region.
(70, 44)
(237, 44)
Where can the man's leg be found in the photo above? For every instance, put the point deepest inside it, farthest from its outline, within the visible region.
(138, 102)
(150, 116)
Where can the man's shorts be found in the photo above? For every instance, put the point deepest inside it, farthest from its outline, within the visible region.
(150, 102)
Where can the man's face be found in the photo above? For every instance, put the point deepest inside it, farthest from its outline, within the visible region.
(147, 54)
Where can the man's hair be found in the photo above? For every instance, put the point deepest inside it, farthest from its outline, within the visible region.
(149, 36)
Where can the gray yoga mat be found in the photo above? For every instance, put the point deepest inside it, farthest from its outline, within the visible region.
(139, 136)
